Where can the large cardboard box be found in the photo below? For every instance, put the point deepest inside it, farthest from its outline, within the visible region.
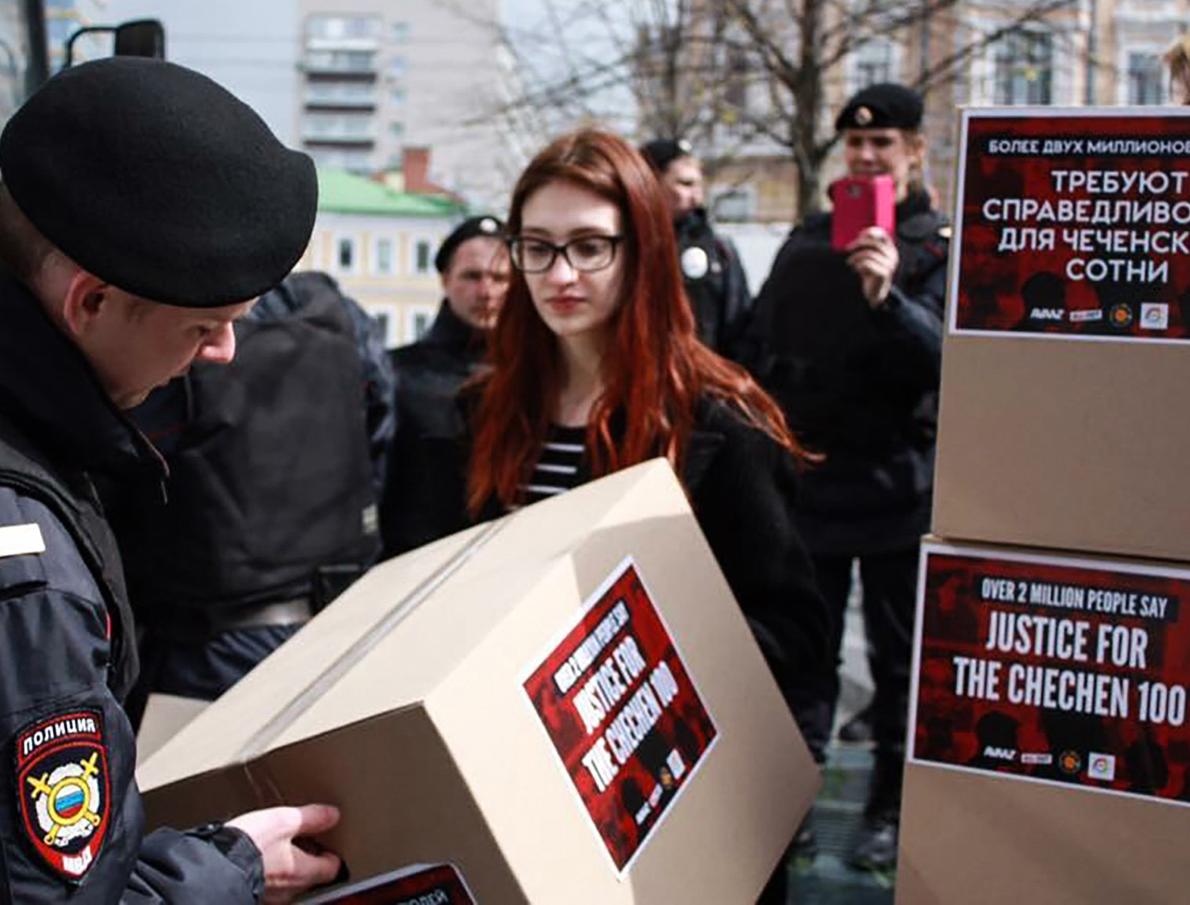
(1065, 361)
(565, 705)
(1049, 746)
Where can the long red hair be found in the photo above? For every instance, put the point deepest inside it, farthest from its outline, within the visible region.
(654, 370)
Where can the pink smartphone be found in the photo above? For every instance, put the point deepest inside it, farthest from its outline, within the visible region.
(860, 203)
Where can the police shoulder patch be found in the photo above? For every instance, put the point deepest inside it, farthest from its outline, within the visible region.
(64, 790)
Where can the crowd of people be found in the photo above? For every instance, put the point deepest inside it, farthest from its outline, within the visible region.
(225, 497)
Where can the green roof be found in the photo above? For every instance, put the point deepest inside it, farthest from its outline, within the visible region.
(341, 192)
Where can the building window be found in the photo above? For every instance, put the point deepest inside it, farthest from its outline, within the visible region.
(397, 67)
(738, 76)
(397, 96)
(421, 256)
(397, 130)
(1146, 79)
(359, 161)
(339, 27)
(337, 126)
(387, 317)
(1024, 68)
(341, 93)
(383, 262)
(733, 204)
(873, 63)
(418, 319)
(400, 32)
(361, 61)
(345, 254)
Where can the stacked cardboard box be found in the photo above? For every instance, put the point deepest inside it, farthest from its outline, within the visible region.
(565, 705)
(1049, 749)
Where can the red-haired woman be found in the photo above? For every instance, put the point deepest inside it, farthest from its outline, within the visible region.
(596, 366)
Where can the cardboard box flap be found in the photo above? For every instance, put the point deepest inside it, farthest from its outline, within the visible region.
(349, 649)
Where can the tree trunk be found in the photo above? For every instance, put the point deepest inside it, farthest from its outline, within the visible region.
(808, 96)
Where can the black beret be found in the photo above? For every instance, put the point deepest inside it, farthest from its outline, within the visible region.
(486, 225)
(661, 152)
(159, 181)
(883, 106)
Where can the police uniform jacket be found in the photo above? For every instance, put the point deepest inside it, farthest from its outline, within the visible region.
(415, 508)
(867, 400)
(715, 282)
(71, 819)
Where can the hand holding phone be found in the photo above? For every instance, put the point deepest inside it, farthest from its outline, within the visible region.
(860, 203)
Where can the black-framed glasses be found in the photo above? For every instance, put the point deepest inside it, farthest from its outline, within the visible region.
(585, 254)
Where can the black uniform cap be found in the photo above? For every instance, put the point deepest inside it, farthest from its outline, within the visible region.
(661, 152)
(159, 181)
(487, 226)
(883, 106)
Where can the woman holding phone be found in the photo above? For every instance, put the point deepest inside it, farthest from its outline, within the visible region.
(596, 366)
(849, 342)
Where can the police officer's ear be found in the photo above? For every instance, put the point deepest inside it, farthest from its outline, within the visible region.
(915, 145)
(86, 298)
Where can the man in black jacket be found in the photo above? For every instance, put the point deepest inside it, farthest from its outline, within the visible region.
(275, 461)
(474, 268)
(143, 209)
(715, 282)
(852, 345)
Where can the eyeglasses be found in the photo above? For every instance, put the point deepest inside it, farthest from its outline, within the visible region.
(585, 254)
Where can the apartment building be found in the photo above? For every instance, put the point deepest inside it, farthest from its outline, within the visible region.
(376, 77)
(352, 82)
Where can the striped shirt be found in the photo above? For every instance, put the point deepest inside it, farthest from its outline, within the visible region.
(558, 468)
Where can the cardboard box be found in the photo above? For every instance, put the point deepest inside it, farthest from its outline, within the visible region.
(566, 705)
(1049, 743)
(1064, 381)
(987, 840)
(1064, 445)
(165, 716)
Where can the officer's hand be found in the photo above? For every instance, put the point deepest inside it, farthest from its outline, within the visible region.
(288, 869)
(873, 255)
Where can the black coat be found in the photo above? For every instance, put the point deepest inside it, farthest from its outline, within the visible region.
(715, 282)
(66, 652)
(429, 374)
(742, 487)
(857, 384)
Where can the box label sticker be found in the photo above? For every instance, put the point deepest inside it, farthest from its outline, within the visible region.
(622, 712)
(1073, 226)
(418, 884)
(1054, 669)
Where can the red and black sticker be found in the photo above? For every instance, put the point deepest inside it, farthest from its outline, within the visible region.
(623, 712)
(64, 790)
(418, 884)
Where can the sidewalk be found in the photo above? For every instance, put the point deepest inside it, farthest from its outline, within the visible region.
(828, 880)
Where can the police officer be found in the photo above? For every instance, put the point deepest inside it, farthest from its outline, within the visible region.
(852, 346)
(473, 265)
(715, 280)
(143, 208)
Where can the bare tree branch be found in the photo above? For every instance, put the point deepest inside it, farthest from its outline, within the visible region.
(738, 75)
